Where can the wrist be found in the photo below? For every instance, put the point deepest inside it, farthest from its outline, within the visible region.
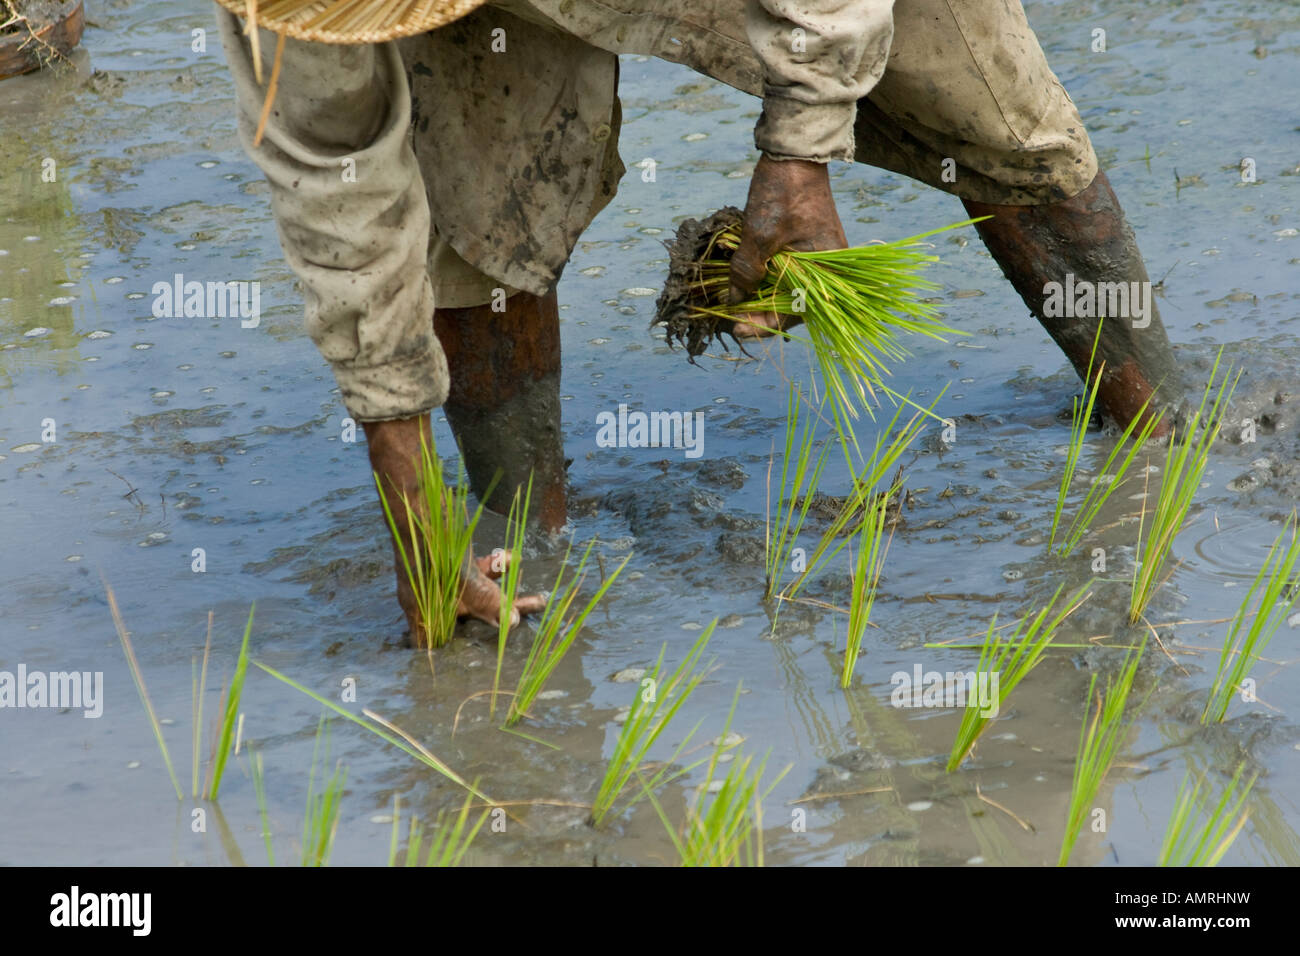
(790, 129)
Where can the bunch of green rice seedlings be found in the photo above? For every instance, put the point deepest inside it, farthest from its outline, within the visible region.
(872, 548)
(516, 524)
(1185, 463)
(320, 821)
(1200, 835)
(1242, 650)
(1111, 475)
(656, 702)
(385, 731)
(441, 537)
(449, 842)
(891, 444)
(1099, 742)
(857, 303)
(556, 631)
(724, 823)
(1011, 658)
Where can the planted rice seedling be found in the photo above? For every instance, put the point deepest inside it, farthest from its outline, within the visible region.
(556, 631)
(872, 549)
(197, 684)
(891, 444)
(257, 772)
(1242, 650)
(320, 821)
(1011, 659)
(724, 822)
(435, 543)
(448, 843)
(1107, 479)
(1185, 463)
(233, 695)
(798, 486)
(857, 303)
(656, 702)
(516, 524)
(1099, 741)
(1200, 835)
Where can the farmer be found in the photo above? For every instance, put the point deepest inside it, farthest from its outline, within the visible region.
(429, 262)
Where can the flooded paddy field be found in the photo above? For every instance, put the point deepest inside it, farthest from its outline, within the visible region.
(175, 434)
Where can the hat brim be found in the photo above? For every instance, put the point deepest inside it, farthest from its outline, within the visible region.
(350, 21)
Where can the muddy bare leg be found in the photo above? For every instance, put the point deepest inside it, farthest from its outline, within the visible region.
(504, 405)
(1088, 237)
(394, 448)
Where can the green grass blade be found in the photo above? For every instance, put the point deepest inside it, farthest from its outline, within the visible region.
(233, 697)
(423, 756)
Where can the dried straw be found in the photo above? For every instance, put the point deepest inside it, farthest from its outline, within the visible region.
(349, 21)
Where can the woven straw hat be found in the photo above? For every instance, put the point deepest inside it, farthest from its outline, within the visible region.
(350, 21)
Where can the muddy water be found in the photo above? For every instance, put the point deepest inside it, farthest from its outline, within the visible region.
(178, 434)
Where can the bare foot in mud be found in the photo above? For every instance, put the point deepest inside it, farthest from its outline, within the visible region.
(481, 597)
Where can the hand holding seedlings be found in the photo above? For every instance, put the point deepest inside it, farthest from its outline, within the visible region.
(789, 207)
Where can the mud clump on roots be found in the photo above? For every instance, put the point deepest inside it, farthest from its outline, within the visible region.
(677, 307)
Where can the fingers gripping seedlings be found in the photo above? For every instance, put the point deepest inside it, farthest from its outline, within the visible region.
(858, 303)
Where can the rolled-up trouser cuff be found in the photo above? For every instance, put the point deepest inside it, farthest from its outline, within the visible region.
(790, 129)
(397, 389)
